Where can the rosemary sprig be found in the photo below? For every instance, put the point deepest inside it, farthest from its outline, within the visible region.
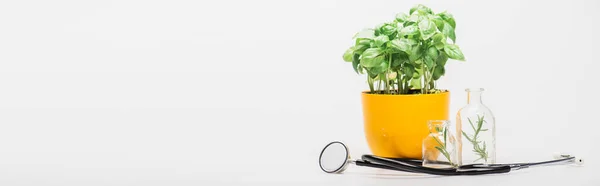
(478, 147)
(442, 146)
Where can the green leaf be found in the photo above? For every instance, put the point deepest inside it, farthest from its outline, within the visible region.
(433, 53)
(447, 17)
(363, 41)
(427, 28)
(419, 62)
(402, 44)
(418, 73)
(348, 54)
(401, 17)
(422, 9)
(355, 63)
(371, 53)
(408, 71)
(415, 53)
(380, 40)
(366, 34)
(381, 67)
(372, 75)
(439, 40)
(359, 49)
(439, 22)
(396, 63)
(409, 30)
(466, 136)
(449, 31)
(372, 62)
(387, 29)
(408, 23)
(429, 62)
(445, 133)
(439, 148)
(441, 60)
(415, 83)
(415, 18)
(399, 59)
(360, 69)
(411, 41)
(454, 52)
(438, 72)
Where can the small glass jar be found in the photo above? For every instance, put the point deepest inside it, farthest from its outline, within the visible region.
(439, 147)
(476, 131)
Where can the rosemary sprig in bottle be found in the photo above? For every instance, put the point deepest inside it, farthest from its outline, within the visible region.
(442, 146)
(478, 147)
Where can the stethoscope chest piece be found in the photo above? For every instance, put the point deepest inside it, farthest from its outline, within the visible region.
(334, 158)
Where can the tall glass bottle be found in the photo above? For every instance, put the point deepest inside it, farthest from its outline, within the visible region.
(476, 131)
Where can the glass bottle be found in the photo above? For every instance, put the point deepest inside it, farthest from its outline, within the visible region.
(476, 131)
(439, 147)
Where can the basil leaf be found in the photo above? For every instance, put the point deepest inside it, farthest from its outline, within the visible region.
(432, 53)
(401, 17)
(438, 72)
(418, 63)
(367, 34)
(418, 72)
(409, 30)
(429, 62)
(355, 63)
(421, 9)
(431, 57)
(449, 31)
(441, 60)
(348, 55)
(439, 22)
(380, 40)
(362, 41)
(387, 29)
(427, 28)
(454, 52)
(359, 49)
(371, 53)
(415, 53)
(415, 83)
(402, 44)
(408, 71)
(439, 40)
(399, 59)
(380, 65)
(372, 62)
(414, 18)
(447, 17)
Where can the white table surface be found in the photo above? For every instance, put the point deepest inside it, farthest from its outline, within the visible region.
(198, 147)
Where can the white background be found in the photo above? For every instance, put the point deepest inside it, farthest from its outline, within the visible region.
(132, 92)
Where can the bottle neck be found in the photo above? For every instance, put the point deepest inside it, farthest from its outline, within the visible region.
(474, 97)
(438, 126)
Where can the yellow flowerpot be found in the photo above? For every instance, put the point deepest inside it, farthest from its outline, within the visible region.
(395, 125)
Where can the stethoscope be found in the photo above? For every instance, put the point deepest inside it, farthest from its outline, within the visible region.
(335, 158)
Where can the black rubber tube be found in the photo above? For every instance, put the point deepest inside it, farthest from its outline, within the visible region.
(408, 167)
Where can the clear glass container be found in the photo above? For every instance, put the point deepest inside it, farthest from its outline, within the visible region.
(439, 147)
(476, 131)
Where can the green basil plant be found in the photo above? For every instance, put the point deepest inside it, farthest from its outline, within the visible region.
(408, 54)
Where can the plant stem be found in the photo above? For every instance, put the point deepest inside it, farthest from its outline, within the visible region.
(424, 85)
(370, 81)
(399, 81)
(379, 85)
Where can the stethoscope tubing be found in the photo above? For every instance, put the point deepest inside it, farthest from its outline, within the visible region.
(408, 167)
